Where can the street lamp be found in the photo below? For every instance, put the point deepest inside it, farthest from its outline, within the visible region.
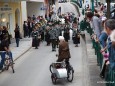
(4, 20)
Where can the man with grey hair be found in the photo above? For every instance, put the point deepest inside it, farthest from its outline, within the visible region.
(64, 51)
(110, 27)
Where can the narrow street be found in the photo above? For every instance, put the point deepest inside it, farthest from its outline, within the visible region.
(32, 69)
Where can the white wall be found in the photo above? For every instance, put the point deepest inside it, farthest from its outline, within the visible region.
(34, 8)
(24, 11)
(24, 14)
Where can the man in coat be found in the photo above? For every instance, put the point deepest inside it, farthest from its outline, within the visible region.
(53, 37)
(64, 52)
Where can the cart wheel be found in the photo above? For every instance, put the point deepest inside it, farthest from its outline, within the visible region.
(51, 66)
(70, 75)
(54, 78)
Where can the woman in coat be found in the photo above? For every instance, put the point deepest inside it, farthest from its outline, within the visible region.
(35, 42)
(66, 33)
(25, 28)
(47, 36)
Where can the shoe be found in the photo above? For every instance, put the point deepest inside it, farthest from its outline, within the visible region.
(53, 50)
(102, 76)
(1, 70)
(76, 45)
(36, 48)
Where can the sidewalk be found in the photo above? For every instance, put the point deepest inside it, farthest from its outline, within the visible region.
(24, 46)
(94, 70)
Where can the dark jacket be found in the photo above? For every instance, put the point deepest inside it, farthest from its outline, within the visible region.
(17, 33)
(4, 43)
(64, 52)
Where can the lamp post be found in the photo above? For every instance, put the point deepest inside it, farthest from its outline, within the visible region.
(108, 8)
(92, 5)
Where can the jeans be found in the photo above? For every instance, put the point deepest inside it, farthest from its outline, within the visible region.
(3, 58)
(17, 42)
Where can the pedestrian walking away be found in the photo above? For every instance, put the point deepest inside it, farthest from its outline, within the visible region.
(17, 36)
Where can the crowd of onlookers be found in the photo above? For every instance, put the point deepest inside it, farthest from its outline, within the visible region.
(103, 33)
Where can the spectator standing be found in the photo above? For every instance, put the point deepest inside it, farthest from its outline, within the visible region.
(103, 37)
(29, 27)
(110, 26)
(96, 23)
(25, 28)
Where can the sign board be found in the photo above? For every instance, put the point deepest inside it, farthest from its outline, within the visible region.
(5, 8)
(43, 8)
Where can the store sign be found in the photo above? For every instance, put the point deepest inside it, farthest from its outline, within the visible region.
(5, 8)
(43, 8)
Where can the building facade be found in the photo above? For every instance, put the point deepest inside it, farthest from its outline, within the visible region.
(11, 13)
(15, 12)
(36, 8)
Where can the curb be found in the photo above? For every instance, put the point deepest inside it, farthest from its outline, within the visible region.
(22, 54)
(86, 75)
